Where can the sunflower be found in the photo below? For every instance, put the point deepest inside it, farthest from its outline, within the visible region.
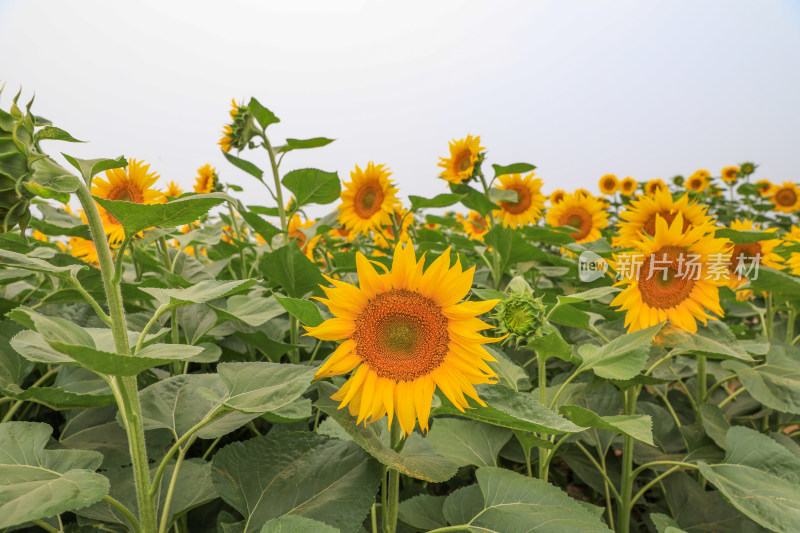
(642, 213)
(206, 180)
(295, 231)
(786, 197)
(581, 192)
(745, 257)
(654, 185)
(84, 250)
(131, 184)
(628, 186)
(699, 181)
(405, 334)
(557, 195)
(527, 209)
(228, 134)
(463, 156)
(793, 238)
(39, 236)
(173, 190)
(665, 286)
(368, 199)
(583, 212)
(764, 187)
(475, 225)
(730, 174)
(609, 184)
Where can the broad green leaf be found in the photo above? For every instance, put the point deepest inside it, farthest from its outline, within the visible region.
(243, 164)
(74, 388)
(303, 144)
(513, 503)
(288, 268)
(17, 260)
(440, 200)
(313, 186)
(428, 465)
(262, 387)
(126, 365)
(776, 383)
(713, 340)
(264, 116)
(511, 246)
(466, 442)
(52, 329)
(423, 512)
(591, 294)
(622, 358)
(58, 222)
(637, 426)
(55, 134)
(510, 409)
(473, 199)
(304, 310)
(296, 524)
(36, 483)
(252, 310)
(551, 344)
(744, 236)
(139, 217)
(715, 423)
(260, 226)
(514, 168)
(13, 367)
(511, 375)
(775, 281)
(91, 167)
(298, 473)
(665, 524)
(202, 292)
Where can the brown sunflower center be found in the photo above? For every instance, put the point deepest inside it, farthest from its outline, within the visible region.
(580, 219)
(368, 200)
(463, 161)
(401, 335)
(695, 183)
(745, 256)
(523, 200)
(786, 197)
(662, 282)
(609, 184)
(650, 226)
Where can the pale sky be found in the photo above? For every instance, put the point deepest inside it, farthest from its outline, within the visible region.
(646, 89)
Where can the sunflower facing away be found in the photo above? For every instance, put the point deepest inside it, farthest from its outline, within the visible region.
(206, 180)
(609, 184)
(227, 140)
(475, 225)
(730, 174)
(764, 187)
(640, 217)
(463, 156)
(581, 211)
(786, 197)
(131, 184)
(699, 181)
(628, 186)
(405, 334)
(368, 199)
(664, 286)
(745, 257)
(530, 200)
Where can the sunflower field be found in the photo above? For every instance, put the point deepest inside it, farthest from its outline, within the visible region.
(485, 359)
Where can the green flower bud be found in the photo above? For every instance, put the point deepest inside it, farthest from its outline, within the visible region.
(521, 316)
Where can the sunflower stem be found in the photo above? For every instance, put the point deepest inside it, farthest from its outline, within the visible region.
(701, 384)
(625, 503)
(543, 452)
(277, 177)
(391, 485)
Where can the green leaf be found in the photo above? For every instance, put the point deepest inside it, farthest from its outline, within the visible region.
(313, 186)
(622, 358)
(261, 387)
(296, 473)
(296, 524)
(17, 260)
(713, 340)
(36, 483)
(513, 503)
(74, 388)
(715, 423)
(511, 375)
(139, 217)
(243, 164)
(289, 268)
(514, 168)
(510, 409)
(58, 222)
(552, 345)
(202, 292)
(466, 442)
(303, 144)
(260, 226)
(264, 116)
(473, 199)
(776, 384)
(55, 134)
(252, 310)
(426, 465)
(744, 236)
(440, 200)
(760, 478)
(125, 365)
(89, 168)
(423, 512)
(771, 280)
(665, 524)
(304, 310)
(591, 294)
(637, 426)
(511, 246)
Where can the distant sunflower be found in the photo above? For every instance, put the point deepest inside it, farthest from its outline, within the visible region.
(131, 184)
(730, 174)
(557, 195)
(400, 218)
(295, 231)
(793, 238)
(405, 334)
(228, 138)
(654, 185)
(206, 180)
(786, 197)
(664, 288)
(642, 214)
(173, 190)
(764, 187)
(699, 181)
(475, 225)
(582, 192)
(463, 156)
(530, 200)
(628, 186)
(368, 200)
(581, 211)
(609, 184)
(745, 257)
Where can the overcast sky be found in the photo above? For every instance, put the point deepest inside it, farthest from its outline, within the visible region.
(580, 89)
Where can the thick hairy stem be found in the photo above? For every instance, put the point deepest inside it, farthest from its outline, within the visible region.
(625, 501)
(391, 486)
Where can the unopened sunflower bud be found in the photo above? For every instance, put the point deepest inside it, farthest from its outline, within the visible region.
(747, 168)
(240, 131)
(678, 180)
(521, 316)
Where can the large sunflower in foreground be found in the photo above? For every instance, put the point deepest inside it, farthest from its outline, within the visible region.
(405, 334)
(583, 212)
(530, 200)
(368, 200)
(674, 275)
(608, 184)
(748, 257)
(786, 197)
(206, 180)
(640, 217)
(463, 156)
(130, 184)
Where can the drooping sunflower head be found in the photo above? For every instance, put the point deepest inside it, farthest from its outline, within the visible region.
(557, 195)
(206, 180)
(699, 181)
(241, 129)
(173, 190)
(131, 184)
(368, 199)
(404, 334)
(673, 276)
(642, 214)
(583, 212)
(747, 257)
(764, 187)
(654, 185)
(464, 154)
(528, 207)
(730, 174)
(786, 197)
(475, 225)
(609, 184)
(628, 186)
